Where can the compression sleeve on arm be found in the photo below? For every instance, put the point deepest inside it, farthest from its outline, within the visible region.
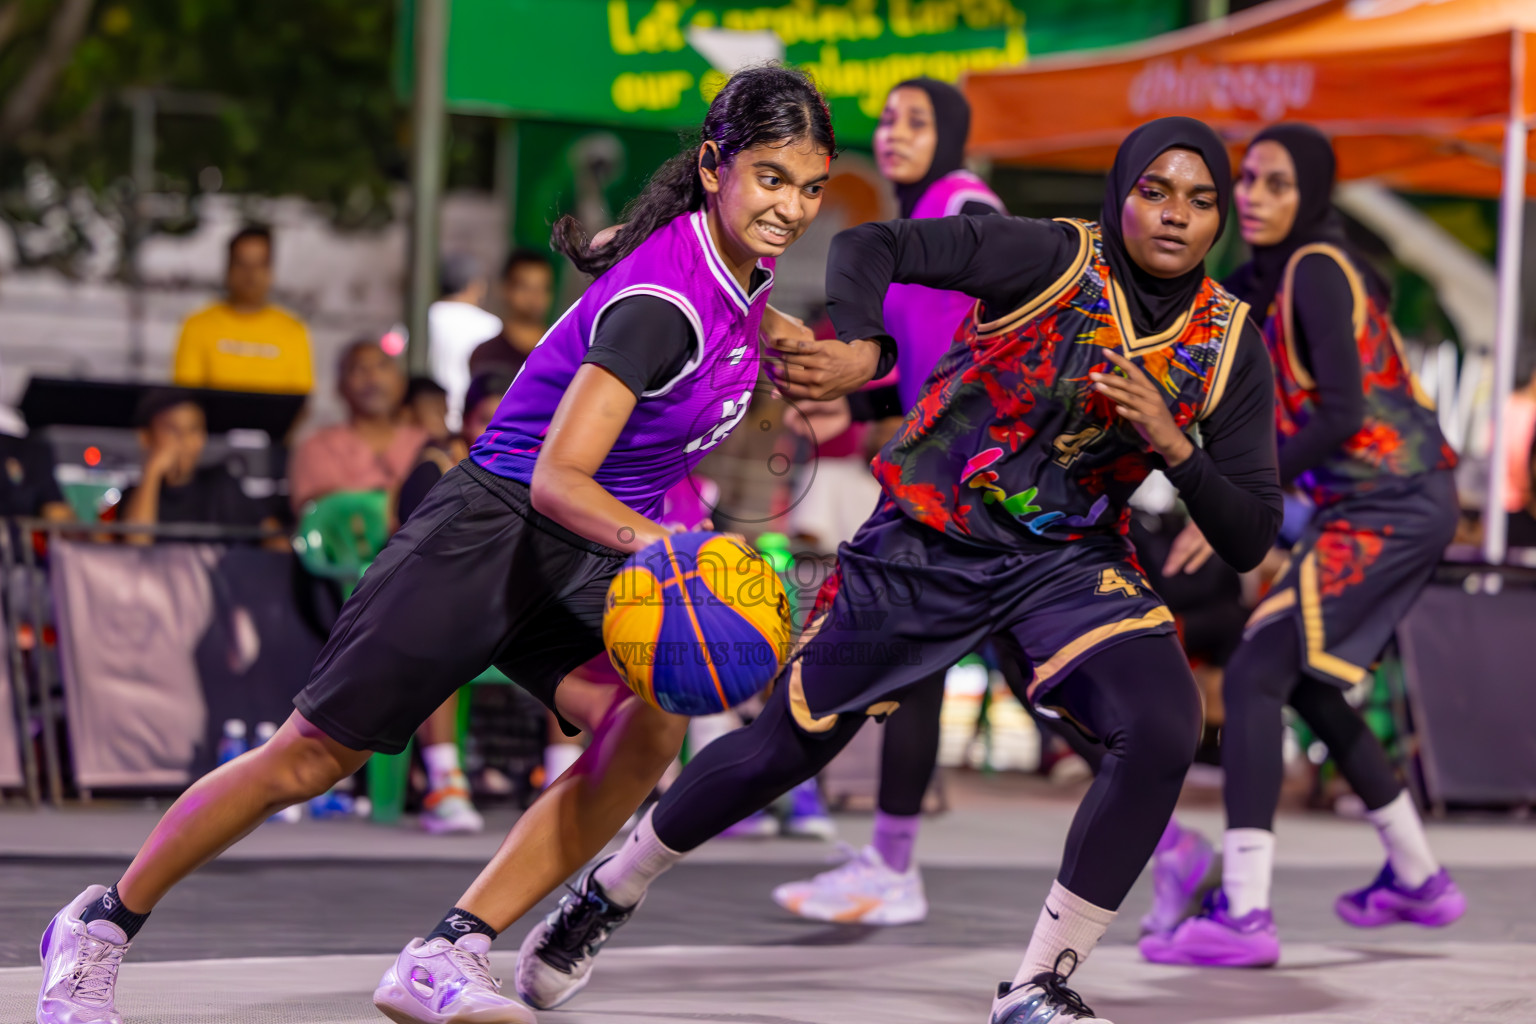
(1231, 486)
(643, 340)
(1324, 322)
(1003, 261)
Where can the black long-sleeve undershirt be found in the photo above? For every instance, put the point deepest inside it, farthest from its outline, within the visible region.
(1231, 485)
(1324, 307)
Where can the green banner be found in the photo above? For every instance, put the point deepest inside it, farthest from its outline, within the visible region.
(657, 63)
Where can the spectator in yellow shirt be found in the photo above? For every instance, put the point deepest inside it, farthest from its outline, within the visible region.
(245, 343)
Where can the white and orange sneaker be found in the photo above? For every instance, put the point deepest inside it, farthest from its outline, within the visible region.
(442, 982)
(862, 891)
(80, 963)
(447, 810)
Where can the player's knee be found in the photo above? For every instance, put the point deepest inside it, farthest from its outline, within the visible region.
(655, 733)
(299, 768)
(1163, 740)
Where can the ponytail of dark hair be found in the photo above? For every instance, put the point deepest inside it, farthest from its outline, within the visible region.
(765, 106)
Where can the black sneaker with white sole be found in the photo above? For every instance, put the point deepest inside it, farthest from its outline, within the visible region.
(557, 957)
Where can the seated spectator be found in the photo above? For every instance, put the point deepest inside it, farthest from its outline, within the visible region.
(245, 343)
(438, 457)
(426, 406)
(455, 325)
(528, 291)
(373, 450)
(27, 485)
(173, 431)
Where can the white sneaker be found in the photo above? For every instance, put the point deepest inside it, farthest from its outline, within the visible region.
(557, 957)
(442, 982)
(447, 811)
(80, 963)
(862, 891)
(1044, 999)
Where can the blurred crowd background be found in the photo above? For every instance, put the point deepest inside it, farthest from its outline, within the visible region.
(266, 269)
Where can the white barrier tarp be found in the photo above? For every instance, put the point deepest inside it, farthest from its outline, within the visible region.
(10, 749)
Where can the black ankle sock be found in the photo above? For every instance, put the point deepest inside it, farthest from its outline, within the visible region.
(458, 924)
(109, 907)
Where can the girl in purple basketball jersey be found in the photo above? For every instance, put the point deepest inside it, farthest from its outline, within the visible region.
(507, 560)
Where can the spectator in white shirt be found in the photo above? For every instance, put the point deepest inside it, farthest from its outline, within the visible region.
(455, 325)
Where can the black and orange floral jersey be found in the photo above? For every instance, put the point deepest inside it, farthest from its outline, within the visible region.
(1357, 569)
(1399, 436)
(1010, 445)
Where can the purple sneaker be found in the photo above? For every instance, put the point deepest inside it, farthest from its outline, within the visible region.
(1434, 904)
(1214, 938)
(1179, 880)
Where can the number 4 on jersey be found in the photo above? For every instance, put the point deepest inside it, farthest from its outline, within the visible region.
(1111, 582)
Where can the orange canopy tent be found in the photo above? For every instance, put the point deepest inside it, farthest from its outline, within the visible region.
(1418, 95)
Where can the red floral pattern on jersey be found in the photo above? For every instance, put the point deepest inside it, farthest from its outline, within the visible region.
(1344, 552)
(1010, 443)
(1400, 435)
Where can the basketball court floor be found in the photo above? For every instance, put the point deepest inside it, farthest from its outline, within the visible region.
(298, 922)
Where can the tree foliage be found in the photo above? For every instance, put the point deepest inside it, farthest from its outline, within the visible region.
(277, 97)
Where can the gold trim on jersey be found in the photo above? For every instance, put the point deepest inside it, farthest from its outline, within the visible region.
(1272, 606)
(1288, 307)
(1054, 665)
(1058, 288)
(1316, 636)
(1129, 342)
(1229, 345)
(799, 710)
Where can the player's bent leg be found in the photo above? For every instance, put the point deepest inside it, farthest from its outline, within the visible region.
(1412, 888)
(1236, 927)
(85, 942)
(632, 744)
(735, 775)
(1141, 700)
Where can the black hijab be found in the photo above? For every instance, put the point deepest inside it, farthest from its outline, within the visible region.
(1156, 302)
(1256, 281)
(952, 123)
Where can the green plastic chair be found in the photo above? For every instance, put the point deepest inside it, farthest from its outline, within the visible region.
(341, 534)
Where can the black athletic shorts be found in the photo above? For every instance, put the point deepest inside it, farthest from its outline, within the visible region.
(474, 578)
(1357, 568)
(906, 601)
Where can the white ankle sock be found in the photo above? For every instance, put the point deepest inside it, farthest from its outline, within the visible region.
(1066, 922)
(1402, 833)
(640, 861)
(558, 758)
(442, 760)
(1248, 866)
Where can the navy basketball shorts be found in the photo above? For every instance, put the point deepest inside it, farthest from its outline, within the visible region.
(1356, 570)
(474, 578)
(906, 600)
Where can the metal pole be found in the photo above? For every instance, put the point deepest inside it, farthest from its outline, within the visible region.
(428, 132)
(21, 691)
(1506, 336)
(142, 102)
(43, 666)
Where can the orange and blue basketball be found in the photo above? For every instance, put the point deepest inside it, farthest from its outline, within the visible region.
(697, 623)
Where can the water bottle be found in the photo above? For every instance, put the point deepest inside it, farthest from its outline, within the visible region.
(232, 743)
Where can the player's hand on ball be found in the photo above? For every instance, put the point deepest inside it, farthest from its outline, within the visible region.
(1138, 401)
(820, 369)
(1190, 551)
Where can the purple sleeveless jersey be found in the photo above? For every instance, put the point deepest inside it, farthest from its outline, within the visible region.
(672, 427)
(923, 320)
